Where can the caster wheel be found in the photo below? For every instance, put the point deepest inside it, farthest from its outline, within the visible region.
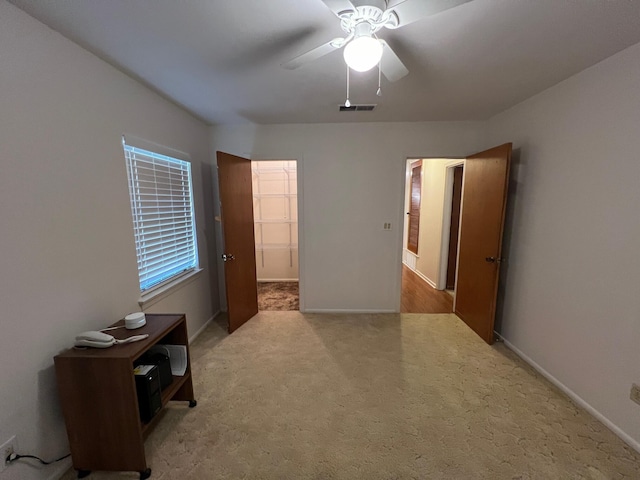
(144, 474)
(83, 473)
(192, 403)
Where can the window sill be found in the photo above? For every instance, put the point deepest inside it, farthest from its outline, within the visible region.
(157, 294)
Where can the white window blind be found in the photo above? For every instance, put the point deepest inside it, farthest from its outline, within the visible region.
(163, 216)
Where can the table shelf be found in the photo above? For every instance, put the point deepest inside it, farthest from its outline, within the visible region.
(99, 399)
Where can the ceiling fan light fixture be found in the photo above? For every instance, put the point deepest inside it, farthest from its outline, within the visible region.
(363, 53)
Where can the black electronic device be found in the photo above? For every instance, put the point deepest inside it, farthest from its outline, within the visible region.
(149, 391)
(164, 367)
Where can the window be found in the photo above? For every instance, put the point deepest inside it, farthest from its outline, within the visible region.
(163, 216)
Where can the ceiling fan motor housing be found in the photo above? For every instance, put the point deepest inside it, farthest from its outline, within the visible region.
(379, 4)
(371, 13)
(361, 20)
(363, 29)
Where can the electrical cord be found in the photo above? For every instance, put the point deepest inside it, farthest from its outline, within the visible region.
(14, 456)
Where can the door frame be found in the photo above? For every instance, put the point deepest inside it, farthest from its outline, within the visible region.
(440, 281)
(301, 249)
(299, 206)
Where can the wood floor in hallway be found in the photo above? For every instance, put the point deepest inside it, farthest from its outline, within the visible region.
(420, 297)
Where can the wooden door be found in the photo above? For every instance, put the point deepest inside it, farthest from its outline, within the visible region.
(236, 205)
(414, 206)
(483, 208)
(454, 229)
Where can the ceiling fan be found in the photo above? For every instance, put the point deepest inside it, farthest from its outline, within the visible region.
(361, 20)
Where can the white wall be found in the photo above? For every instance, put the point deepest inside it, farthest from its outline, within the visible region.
(67, 261)
(571, 289)
(352, 178)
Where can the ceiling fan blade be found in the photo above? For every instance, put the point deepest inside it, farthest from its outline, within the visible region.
(390, 65)
(311, 55)
(337, 6)
(411, 10)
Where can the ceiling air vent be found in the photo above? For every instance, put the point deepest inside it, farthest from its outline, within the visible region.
(357, 108)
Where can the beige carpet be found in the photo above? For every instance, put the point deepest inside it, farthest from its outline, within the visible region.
(298, 396)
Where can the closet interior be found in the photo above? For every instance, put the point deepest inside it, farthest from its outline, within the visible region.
(275, 211)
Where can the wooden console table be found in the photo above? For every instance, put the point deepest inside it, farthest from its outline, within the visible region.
(99, 400)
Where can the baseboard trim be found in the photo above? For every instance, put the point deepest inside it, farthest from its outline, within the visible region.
(574, 396)
(202, 328)
(409, 258)
(423, 277)
(341, 310)
(426, 279)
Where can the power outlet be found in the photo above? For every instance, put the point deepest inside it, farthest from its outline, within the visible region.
(635, 393)
(7, 448)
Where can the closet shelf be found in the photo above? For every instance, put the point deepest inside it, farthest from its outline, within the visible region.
(277, 246)
(274, 195)
(276, 221)
(263, 169)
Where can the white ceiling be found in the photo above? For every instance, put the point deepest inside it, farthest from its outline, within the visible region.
(222, 59)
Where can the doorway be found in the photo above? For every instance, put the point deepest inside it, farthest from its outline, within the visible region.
(485, 182)
(275, 207)
(434, 187)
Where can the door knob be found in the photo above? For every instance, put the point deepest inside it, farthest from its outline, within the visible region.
(492, 260)
(226, 257)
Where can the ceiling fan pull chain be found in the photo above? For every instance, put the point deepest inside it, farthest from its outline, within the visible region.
(347, 103)
(379, 92)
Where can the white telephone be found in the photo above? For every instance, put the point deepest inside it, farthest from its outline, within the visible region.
(95, 339)
(103, 340)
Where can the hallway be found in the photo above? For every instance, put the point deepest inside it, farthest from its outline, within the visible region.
(420, 297)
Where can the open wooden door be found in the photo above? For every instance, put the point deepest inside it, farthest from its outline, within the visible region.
(414, 207)
(236, 205)
(484, 202)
